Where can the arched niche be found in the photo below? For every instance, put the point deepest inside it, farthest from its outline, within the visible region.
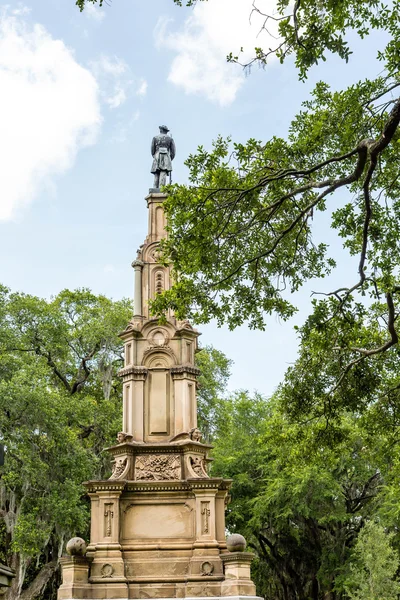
(150, 253)
(165, 356)
(158, 394)
(153, 325)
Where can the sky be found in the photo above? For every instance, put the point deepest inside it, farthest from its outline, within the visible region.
(81, 96)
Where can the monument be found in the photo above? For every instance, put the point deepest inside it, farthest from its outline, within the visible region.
(158, 523)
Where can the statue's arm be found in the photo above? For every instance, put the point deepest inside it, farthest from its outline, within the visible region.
(153, 146)
(173, 149)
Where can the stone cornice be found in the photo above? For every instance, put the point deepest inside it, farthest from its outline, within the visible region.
(237, 557)
(132, 330)
(182, 369)
(109, 485)
(157, 196)
(180, 486)
(137, 372)
(182, 447)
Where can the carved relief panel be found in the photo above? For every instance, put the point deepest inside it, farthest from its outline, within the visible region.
(108, 518)
(158, 467)
(205, 517)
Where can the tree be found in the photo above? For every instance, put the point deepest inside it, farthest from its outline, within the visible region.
(214, 374)
(59, 407)
(242, 232)
(373, 567)
(302, 494)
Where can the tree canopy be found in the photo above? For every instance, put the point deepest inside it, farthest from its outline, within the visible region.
(315, 505)
(59, 407)
(244, 233)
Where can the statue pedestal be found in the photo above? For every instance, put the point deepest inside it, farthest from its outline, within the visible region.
(157, 539)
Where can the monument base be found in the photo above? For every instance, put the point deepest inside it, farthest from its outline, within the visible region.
(186, 598)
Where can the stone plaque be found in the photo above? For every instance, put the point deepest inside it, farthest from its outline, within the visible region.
(149, 521)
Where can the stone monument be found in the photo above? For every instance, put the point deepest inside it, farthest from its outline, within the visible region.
(158, 523)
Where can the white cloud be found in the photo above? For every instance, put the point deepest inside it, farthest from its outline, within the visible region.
(117, 99)
(94, 12)
(112, 66)
(49, 109)
(210, 33)
(142, 89)
(124, 128)
(115, 79)
(21, 10)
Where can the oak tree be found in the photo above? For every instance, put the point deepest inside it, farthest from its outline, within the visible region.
(244, 233)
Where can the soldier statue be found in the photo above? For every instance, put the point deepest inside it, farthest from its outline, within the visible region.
(163, 152)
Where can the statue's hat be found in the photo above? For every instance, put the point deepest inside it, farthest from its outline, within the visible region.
(164, 127)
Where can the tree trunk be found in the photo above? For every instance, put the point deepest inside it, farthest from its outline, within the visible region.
(39, 583)
(36, 587)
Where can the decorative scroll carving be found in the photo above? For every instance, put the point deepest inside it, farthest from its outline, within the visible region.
(108, 517)
(157, 467)
(120, 467)
(205, 520)
(197, 464)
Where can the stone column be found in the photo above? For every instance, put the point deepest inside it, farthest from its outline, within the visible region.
(138, 306)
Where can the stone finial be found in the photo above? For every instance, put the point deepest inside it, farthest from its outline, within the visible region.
(76, 547)
(236, 543)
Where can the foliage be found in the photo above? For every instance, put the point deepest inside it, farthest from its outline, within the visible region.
(245, 235)
(59, 407)
(214, 374)
(373, 566)
(82, 3)
(302, 494)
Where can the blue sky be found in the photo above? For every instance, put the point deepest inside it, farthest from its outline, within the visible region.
(82, 94)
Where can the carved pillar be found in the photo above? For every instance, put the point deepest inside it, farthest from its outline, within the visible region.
(138, 305)
(185, 414)
(133, 401)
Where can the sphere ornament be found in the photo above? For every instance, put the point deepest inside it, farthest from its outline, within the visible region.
(76, 547)
(236, 543)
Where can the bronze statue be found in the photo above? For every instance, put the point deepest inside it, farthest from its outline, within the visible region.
(163, 153)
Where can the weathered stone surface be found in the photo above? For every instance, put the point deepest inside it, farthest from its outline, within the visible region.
(236, 543)
(76, 547)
